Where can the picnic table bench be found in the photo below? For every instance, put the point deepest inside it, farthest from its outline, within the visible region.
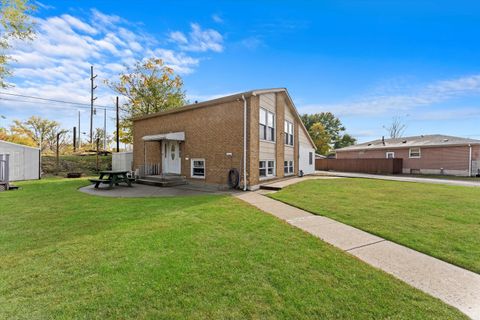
(113, 178)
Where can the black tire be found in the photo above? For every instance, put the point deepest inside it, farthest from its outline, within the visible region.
(233, 178)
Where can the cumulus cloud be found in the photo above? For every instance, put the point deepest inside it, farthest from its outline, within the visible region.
(198, 39)
(379, 104)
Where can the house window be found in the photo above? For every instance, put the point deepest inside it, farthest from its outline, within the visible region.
(288, 167)
(390, 155)
(198, 168)
(310, 158)
(267, 168)
(414, 153)
(267, 125)
(288, 133)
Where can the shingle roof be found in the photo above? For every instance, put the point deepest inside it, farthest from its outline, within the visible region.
(416, 141)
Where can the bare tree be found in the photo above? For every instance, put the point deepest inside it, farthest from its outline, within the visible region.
(396, 128)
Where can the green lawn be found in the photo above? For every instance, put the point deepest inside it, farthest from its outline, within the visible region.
(441, 221)
(65, 254)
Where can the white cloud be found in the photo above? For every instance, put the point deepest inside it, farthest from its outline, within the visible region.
(216, 18)
(198, 40)
(379, 104)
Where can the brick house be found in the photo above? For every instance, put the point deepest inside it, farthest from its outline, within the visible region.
(426, 154)
(259, 133)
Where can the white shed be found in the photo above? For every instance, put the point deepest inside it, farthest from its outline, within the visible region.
(122, 161)
(24, 161)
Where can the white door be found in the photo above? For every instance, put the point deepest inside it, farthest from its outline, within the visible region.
(306, 161)
(171, 157)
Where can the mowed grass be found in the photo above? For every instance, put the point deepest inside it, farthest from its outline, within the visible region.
(439, 220)
(65, 254)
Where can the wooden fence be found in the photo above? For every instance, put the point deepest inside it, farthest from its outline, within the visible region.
(383, 166)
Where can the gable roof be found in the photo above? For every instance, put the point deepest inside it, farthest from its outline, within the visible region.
(229, 98)
(432, 140)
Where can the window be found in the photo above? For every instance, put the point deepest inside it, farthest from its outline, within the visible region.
(267, 125)
(288, 133)
(414, 153)
(310, 158)
(288, 167)
(390, 155)
(198, 168)
(266, 168)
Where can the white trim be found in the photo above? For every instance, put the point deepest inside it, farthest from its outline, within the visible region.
(267, 175)
(204, 168)
(389, 152)
(414, 157)
(178, 136)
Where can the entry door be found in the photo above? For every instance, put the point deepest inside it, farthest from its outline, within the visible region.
(172, 161)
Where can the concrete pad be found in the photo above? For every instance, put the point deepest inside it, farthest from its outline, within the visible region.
(338, 234)
(289, 181)
(455, 286)
(141, 190)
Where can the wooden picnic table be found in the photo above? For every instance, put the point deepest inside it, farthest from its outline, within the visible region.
(113, 178)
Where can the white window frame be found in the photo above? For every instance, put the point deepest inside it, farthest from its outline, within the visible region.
(192, 161)
(415, 157)
(288, 128)
(265, 126)
(388, 153)
(288, 167)
(266, 167)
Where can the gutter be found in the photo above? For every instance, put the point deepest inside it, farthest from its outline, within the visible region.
(244, 143)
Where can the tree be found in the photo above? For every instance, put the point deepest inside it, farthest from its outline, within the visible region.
(42, 132)
(15, 24)
(149, 86)
(332, 125)
(320, 137)
(345, 141)
(396, 128)
(100, 134)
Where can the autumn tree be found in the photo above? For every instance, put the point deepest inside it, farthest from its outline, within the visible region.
(15, 24)
(41, 131)
(332, 126)
(149, 86)
(320, 137)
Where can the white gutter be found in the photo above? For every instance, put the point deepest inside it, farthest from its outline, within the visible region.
(244, 143)
(470, 160)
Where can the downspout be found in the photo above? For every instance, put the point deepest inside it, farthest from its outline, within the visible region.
(244, 143)
(469, 160)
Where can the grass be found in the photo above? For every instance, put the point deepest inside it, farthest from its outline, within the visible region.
(444, 177)
(439, 220)
(69, 255)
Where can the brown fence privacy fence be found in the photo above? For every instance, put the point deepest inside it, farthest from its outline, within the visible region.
(384, 166)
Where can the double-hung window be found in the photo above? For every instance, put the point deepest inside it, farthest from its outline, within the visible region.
(288, 167)
(198, 168)
(414, 153)
(288, 133)
(267, 125)
(266, 168)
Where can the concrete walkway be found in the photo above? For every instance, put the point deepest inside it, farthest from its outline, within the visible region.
(288, 181)
(400, 178)
(453, 285)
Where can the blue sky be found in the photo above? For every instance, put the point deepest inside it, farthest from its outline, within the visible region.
(366, 61)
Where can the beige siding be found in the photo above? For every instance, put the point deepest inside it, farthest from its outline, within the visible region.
(289, 153)
(267, 149)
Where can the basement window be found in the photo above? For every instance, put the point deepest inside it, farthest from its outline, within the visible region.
(198, 168)
(414, 153)
(266, 168)
(288, 167)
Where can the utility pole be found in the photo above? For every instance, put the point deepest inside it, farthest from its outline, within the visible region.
(118, 127)
(92, 99)
(79, 132)
(74, 139)
(105, 129)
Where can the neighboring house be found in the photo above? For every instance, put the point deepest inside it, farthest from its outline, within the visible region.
(24, 161)
(426, 154)
(204, 141)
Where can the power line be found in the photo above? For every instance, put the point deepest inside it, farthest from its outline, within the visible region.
(53, 100)
(49, 104)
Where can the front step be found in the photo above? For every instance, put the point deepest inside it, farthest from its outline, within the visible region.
(163, 181)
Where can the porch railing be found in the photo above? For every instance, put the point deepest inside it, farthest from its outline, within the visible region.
(149, 169)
